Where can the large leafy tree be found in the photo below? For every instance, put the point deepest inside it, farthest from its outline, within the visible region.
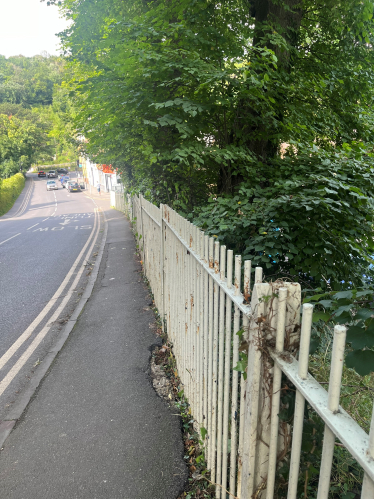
(34, 113)
(263, 107)
(22, 142)
(29, 81)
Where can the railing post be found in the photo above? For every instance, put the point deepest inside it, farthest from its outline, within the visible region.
(257, 411)
(298, 421)
(162, 274)
(142, 240)
(368, 484)
(337, 359)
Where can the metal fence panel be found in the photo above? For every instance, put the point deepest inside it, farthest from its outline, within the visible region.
(203, 310)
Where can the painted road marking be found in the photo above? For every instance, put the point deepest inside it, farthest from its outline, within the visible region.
(24, 203)
(41, 207)
(33, 226)
(10, 238)
(76, 227)
(76, 215)
(28, 332)
(54, 213)
(37, 340)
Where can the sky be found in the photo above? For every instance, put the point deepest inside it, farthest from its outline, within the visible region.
(29, 27)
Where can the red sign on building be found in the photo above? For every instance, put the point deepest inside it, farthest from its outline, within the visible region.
(107, 169)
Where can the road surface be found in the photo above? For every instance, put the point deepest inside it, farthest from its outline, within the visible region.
(48, 242)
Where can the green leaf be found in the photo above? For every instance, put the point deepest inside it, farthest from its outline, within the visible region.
(315, 297)
(325, 303)
(343, 294)
(362, 361)
(343, 318)
(314, 344)
(344, 308)
(203, 432)
(348, 495)
(360, 337)
(321, 316)
(241, 366)
(240, 334)
(364, 293)
(364, 313)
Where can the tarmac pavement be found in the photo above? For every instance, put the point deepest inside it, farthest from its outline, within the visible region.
(95, 428)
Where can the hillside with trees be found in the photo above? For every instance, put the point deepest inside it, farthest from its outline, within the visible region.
(34, 113)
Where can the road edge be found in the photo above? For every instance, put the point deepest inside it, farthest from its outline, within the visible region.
(7, 424)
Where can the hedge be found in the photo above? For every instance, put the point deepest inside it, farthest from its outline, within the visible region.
(10, 189)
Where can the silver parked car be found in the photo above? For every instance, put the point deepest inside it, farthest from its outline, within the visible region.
(51, 184)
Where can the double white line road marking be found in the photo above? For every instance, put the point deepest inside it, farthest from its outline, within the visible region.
(26, 200)
(28, 332)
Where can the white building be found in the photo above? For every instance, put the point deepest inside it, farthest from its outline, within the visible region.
(94, 173)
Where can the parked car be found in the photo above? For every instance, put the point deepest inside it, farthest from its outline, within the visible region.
(51, 184)
(64, 179)
(41, 174)
(51, 174)
(73, 187)
(62, 171)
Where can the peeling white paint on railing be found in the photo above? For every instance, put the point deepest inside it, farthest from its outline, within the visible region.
(197, 289)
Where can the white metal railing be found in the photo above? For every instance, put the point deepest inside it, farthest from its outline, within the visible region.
(197, 288)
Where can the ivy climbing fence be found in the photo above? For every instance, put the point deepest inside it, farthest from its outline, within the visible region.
(233, 342)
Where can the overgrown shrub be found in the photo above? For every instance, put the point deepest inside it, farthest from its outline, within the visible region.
(307, 216)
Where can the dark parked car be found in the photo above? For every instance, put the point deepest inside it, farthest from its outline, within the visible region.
(61, 171)
(41, 174)
(73, 187)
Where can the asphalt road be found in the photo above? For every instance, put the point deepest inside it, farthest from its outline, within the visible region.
(41, 239)
(94, 428)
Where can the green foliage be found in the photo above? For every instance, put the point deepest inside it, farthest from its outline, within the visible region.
(356, 398)
(29, 81)
(346, 475)
(353, 308)
(268, 117)
(203, 432)
(301, 216)
(21, 142)
(32, 130)
(10, 189)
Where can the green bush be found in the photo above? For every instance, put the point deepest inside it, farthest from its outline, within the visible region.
(307, 217)
(10, 189)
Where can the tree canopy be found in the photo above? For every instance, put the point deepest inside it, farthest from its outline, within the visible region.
(35, 124)
(252, 117)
